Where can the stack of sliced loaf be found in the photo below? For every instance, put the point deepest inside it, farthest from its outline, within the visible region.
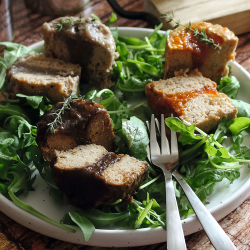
(84, 123)
(89, 175)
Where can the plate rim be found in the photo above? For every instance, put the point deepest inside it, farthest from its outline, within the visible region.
(98, 238)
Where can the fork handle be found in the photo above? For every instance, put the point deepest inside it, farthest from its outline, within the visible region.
(175, 235)
(215, 233)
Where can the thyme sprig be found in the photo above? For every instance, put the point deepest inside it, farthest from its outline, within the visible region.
(67, 22)
(80, 18)
(64, 22)
(202, 36)
(59, 112)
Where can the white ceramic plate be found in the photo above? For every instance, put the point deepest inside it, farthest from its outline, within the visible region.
(225, 199)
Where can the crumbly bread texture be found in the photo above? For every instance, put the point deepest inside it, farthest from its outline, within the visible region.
(185, 51)
(85, 122)
(192, 98)
(36, 74)
(89, 175)
(86, 42)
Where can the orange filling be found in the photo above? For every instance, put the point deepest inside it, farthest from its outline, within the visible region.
(177, 101)
(187, 41)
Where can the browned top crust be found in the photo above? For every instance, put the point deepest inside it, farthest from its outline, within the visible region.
(85, 122)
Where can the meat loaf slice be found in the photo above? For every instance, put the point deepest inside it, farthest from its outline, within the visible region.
(86, 42)
(193, 98)
(89, 176)
(186, 51)
(36, 74)
(85, 122)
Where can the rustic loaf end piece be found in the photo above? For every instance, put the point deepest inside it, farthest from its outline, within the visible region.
(86, 42)
(36, 74)
(192, 98)
(186, 51)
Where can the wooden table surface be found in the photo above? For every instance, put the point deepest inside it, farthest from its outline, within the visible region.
(16, 237)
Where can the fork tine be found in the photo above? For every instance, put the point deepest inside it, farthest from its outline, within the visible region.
(164, 139)
(154, 147)
(147, 148)
(174, 145)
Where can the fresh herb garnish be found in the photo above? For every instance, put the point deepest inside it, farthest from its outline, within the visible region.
(201, 35)
(59, 112)
(66, 22)
(80, 18)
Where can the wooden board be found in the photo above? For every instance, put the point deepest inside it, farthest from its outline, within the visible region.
(234, 14)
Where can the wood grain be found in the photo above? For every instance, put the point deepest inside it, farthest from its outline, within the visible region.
(236, 225)
(14, 236)
(228, 13)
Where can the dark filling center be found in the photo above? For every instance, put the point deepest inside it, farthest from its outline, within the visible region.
(104, 162)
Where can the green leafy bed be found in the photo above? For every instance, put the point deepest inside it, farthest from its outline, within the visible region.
(204, 160)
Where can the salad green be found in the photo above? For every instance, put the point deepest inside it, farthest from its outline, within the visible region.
(204, 159)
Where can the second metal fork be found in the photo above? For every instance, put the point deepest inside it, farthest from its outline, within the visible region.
(215, 233)
(166, 160)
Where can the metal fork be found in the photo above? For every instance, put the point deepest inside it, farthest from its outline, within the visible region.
(166, 161)
(215, 233)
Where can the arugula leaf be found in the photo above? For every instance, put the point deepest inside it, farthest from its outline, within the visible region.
(221, 129)
(99, 218)
(238, 125)
(14, 50)
(143, 214)
(91, 95)
(150, 213)
(86, 226)
(229, 86)
(131, 41)
(243, 108)
(139, 62)
(116, 109)
(17, 139)
(5, 153)
(20, 182)
(34, 212)
(187, 133)
(217, 155)
(37, 102)
(11, 53)
(88, 219)
(10, 109)
(112, 19)
(3, 68)
(33, 101)
(135, 135)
